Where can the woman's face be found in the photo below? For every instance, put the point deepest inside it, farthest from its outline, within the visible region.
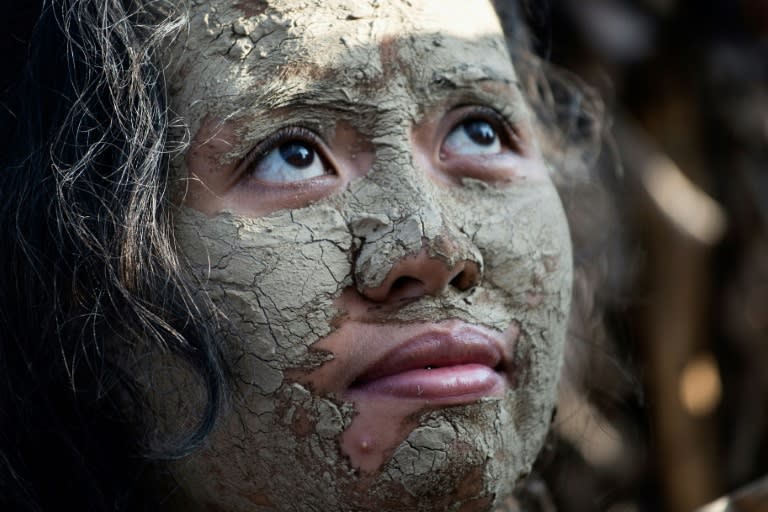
(365, 202)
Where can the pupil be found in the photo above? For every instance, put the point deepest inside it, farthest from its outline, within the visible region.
(297, 154)
(480, 132)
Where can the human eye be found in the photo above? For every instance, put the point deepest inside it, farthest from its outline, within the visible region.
(478, 131)
(473, 137)
(477, 141)
(290, 156)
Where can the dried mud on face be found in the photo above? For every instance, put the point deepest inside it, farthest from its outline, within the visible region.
(278, 278)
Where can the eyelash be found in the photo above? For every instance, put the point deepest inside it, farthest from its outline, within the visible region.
(291, 133)
(508, 135)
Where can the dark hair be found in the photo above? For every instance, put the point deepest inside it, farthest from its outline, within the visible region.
(89, 255)
(89, 260)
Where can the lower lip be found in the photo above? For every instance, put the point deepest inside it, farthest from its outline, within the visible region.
(452, 383)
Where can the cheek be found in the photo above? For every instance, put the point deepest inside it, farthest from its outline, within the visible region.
(523, 236)
(275, 279)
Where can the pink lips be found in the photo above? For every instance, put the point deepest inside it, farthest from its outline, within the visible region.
(454, 366)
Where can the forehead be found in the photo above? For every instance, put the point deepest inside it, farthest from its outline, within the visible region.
(351, 32)
(277, 51)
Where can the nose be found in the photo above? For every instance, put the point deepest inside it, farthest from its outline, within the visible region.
(420, 274)
(411, 244)
(413, 257)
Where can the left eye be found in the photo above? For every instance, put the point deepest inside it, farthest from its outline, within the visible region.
(293, 160)
(473, 137)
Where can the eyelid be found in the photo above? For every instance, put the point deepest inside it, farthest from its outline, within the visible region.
(291, 133)
(509, 135)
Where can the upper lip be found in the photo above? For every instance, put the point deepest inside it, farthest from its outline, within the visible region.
(434, 349)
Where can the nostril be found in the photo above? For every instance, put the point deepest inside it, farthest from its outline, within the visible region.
(403, 282)
(406, 287)
(468, 277)
(417, 275)
(461, 282)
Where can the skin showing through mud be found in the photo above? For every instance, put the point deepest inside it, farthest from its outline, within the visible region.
(343, 193)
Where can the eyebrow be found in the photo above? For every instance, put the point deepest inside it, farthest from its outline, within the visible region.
(471, 75)
(280, 95)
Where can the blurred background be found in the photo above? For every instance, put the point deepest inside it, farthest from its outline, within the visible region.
(669, 409)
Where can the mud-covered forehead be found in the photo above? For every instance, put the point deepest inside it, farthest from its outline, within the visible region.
(394, 35)
(350, 51)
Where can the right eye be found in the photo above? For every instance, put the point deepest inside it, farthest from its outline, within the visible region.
(288, 160)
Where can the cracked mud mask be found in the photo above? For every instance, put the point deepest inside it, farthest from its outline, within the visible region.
(365, 202)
